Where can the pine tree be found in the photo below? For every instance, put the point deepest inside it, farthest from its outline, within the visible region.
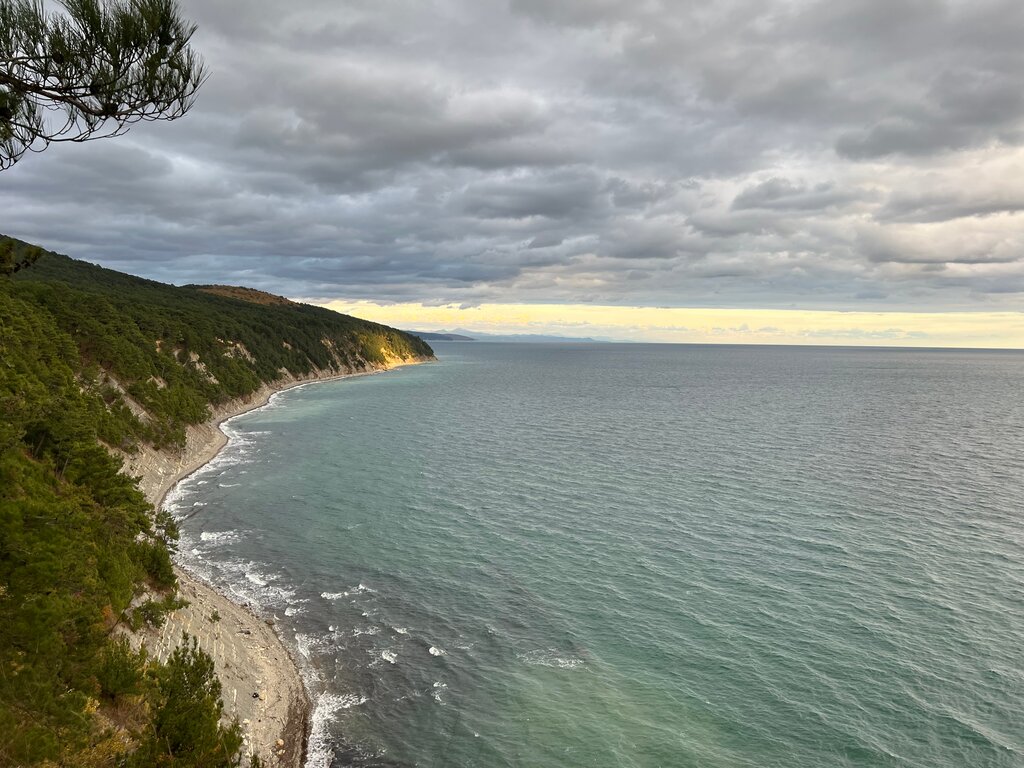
(92, 71)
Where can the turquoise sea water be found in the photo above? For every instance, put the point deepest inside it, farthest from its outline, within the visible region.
(640, 555)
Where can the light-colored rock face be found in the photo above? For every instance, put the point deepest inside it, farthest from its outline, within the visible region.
(260, 685)
(238, 349)
(131, 403)
(193, 357)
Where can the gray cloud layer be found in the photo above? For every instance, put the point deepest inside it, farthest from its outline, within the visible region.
(736, 153)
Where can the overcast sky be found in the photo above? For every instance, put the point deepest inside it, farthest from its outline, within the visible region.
(861, 155)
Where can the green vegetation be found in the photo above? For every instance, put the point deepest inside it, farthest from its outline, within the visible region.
(175, 351)
(82, 554)
(185, 729)
(15, 257)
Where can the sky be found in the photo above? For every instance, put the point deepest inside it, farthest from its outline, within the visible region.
(769, 171)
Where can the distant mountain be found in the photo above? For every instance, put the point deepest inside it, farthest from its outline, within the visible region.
(436, 336)
(533, 338)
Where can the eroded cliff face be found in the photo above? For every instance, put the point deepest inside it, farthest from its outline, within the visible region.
(157, 470)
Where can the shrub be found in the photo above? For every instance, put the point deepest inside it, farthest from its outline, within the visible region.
(186, 720)
(120, 670)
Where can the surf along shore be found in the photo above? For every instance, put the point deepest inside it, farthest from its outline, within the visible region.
(261, 683)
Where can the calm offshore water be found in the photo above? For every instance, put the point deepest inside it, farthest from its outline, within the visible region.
(640, 555)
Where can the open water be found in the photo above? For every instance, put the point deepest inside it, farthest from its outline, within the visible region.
(640, 556)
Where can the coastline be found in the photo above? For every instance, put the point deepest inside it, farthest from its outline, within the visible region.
(261, 682)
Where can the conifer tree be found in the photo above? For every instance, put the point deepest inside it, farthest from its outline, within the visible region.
(13, 259)
(92, 71)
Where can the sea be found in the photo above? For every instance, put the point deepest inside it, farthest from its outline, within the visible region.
(639, 556)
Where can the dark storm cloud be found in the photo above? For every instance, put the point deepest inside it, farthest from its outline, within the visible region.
(561, 195)
(738, 153)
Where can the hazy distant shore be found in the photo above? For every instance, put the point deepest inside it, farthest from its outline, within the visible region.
(262, 685)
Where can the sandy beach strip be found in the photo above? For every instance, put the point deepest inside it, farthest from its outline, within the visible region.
(261, 683)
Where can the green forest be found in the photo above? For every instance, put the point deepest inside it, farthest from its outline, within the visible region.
(78, 541)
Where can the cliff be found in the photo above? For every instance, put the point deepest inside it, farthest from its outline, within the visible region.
(104, 373)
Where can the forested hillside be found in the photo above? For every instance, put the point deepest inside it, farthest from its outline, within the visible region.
(175, 350)
(80, 348)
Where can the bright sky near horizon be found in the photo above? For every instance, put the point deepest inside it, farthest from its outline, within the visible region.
(717, 326)
(763, 170)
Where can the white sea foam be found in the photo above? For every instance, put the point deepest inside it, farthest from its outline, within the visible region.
(174, 500)
(550, 657)
(219, 537)
(401, 630)
(240, 447)
(359, 590)
(246, 581)
(434, 651)
(307, 644)
(320, 754)
(389, 656)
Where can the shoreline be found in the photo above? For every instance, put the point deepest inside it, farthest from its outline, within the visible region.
(262, 684)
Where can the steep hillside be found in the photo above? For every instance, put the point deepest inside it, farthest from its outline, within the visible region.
(96, 365)
(175, 351)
